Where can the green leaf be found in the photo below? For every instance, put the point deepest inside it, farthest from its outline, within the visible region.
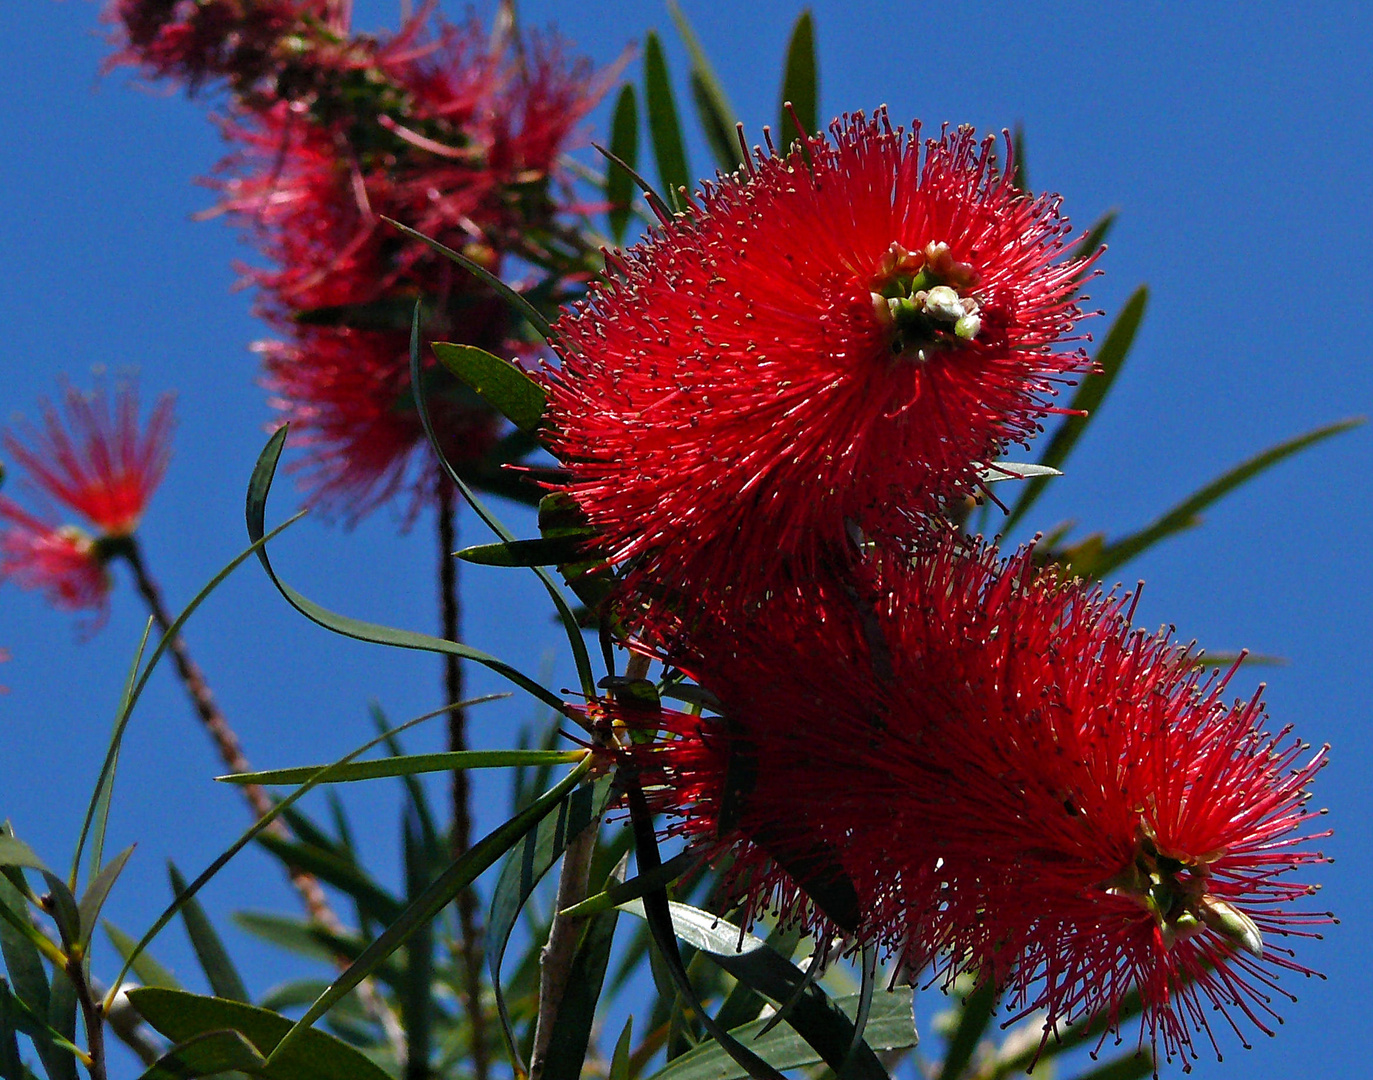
(619, 1061)
(1110, 358)
(501, 384)
(412, 764)
(801, 83)
(416, 989)
(60, 1060)
(334, 870)
(11, 1064)
(209, 950)
(544, 551)
(523, 871)
(22, 958)
(388, 313)
(316, 1055)
(635, 888)
(1020, 176)
(98, 892)
(310, 939)
(574, 635)
(624, 144)
(414, 789)
(1184, 515)
(258, 489)
(889, 1028)
(814, 1016)
(54, 1048)
(572, 1028)
(61, 905)
(148, 970)
(664, 129)
(1130, 1067)
(973, 1019)
(14, 852)
(434, 898)
(514, 300)
(206, 1055)
(1090, 244)
(717, 118)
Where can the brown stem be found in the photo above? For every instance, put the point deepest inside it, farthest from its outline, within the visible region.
(92, 1015)
(221, 734)
(470, 930)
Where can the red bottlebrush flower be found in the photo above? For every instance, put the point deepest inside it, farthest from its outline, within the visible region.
(98, 463)
(844, 334)
(470, 159)
(977, 765)
(60, 561)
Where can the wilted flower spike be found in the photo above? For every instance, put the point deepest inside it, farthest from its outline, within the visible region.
(98, 462)
(841, 339)
(981, 767)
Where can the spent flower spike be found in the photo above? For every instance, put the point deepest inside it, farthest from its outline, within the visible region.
(839, 335)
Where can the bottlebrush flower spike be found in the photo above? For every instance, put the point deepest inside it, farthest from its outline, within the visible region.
(60, 561)
(841, 339)
(986, 769)
(98, 463)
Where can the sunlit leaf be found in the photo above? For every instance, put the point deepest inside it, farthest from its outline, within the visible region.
(544, 551)
(413, 764)
(98, 892)
(635, 888)
(1015, 470)
(500, 383)
(316, 1055)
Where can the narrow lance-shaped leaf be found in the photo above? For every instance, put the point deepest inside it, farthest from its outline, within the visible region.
(624, 144)
(19, 944)
(717, 117)
(635, 888)
(543, 551)
(148, 970)
(333, 869)
(973, 1019)
(523, 871)
(664, 129)
(434, 898)
(258, 489)
(1184, 514)
(209, 950)
(619, 1061)
(62, 1002)
(801, 82)
(11, 1064)
(98, 892)
(1021, 176)
(1110, 358)
(500, 383)
(416, 1001)
(209, 1054)
(413, 764)
(574, 634)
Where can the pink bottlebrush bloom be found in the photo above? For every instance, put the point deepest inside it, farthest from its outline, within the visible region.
(98, 462)
(60, 561)
(841, 335)
(981, 767)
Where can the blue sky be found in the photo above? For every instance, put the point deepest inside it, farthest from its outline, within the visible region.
(1234, 140)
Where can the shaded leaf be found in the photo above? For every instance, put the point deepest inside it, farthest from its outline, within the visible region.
(58, 1057)
(148, 970)
(619, 1061)
(214, 959)
(54, 1049)
(717, 118)
(889, 1028)
(416, 987)
(258, 489)
(635, 888)
(744, 1004)
(388, 313)
(624, 144)
(308, 939)
(11, 1064)
(973, 1019)
(434, 898)
(501, 384)
(98, 891)
(1133, 1066)
(411, 764)
(545, 551)
(1184, 514)
(523, 871)
(334, 870)
(22, 958)
(61, 905)
(1020, 175)
(801, 82)
(572, 1029)
(316, 1056)
(664, 129)
(205, 1055)
(14, 852)
(1110, 358)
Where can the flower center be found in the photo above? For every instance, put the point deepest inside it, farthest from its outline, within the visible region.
(924, 300)
(1174, 891)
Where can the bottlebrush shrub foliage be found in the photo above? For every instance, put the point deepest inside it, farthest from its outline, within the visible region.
(769, 421)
